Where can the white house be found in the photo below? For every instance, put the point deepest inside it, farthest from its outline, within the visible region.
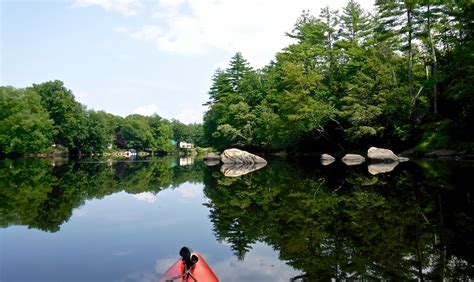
(185, 145)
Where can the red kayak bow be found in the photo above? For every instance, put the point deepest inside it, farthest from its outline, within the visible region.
(191, 267)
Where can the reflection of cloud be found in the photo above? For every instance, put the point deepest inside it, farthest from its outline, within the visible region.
(259, 265)
(122, 253)
(146, 197)
(188, 192)
(140, 277)
(80, 213)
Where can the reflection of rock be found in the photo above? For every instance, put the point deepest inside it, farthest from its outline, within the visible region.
(236, 156)
(353, 159)
(233, 170)
(403, 159)
(385, 155)
(212, 157)
(327, 159)
(212, 162)
(377, 168)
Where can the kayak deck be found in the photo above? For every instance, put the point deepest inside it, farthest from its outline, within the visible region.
(201, 271)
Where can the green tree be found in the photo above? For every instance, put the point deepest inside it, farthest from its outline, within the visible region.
(162, 133)
(68, 115)
(100, 131)
(137, 132)
(25, 126)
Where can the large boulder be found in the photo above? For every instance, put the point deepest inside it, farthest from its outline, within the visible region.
(353, 159)
(381, 155)
(234, 170)
(327, 159)
(236, 156)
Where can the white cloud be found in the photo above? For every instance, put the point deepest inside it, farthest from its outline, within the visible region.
(189, 116)
(122, 29)
(147, 110)
(125, 7)
(147, 32)
(254, 27)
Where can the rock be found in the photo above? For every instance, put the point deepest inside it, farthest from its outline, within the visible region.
(353, 159)
(377, 168)
(327, 159)
(238, 169)
(380, 154)
(236, 156)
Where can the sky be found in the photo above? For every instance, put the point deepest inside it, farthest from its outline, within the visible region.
(142, 56)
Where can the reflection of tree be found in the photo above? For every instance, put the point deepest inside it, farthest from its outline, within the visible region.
(343, 225)
(39, 196)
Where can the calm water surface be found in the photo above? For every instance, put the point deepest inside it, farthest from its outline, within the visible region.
(126, 220)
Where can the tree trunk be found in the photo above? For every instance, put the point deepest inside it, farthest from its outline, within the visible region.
(435, 63)
(410, 52)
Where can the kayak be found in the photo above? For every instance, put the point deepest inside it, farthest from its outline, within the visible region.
(201, 271)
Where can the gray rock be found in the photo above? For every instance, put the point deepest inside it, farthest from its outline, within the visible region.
(377, 168)
(327, 159)
(353, 159)
(236, 156)
(234, 169)
(380, 154)
(384, 155)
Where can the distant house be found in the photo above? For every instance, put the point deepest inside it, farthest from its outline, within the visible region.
(185, 145)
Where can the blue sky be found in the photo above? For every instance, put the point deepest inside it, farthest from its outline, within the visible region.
(141, 56)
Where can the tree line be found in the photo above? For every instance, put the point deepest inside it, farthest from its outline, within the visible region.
(401, 76)
(35, 118)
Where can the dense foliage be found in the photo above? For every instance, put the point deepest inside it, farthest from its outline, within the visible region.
(46, 114)
(402, 76)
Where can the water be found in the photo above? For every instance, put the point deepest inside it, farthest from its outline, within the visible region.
(127, 220)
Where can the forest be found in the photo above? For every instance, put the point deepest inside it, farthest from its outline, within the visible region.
(34, 119)
(401, 76)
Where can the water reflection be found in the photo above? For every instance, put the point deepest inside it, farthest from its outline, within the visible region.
(327, 222)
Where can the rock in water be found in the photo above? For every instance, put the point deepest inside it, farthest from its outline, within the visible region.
(353, 159)
(234, 170)
(327, 159)
(236, 156)
(380, 154)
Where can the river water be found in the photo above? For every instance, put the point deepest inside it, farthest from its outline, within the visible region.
(125, 220)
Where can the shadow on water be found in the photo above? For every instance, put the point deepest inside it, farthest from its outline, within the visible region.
(330, 222)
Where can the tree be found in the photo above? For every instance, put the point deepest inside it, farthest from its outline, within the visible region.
(25, 126)
(162, 133)
(138, 133)
(100, 131)
(68, 115)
